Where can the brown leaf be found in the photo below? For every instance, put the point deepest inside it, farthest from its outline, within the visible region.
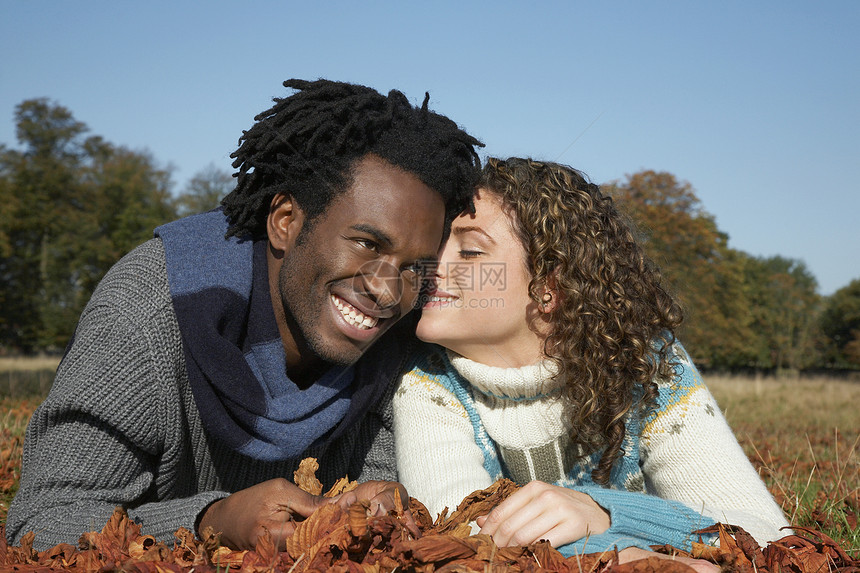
(441, 547)
(25, 552)
(712, 553)
(730, 545)
(328, 524)
(305, 477)
(146, 548)
(342, 485)
(120, 530)
(478, 503)
(225, 558)
(550, 559)
(420, 514)
(59, 556)
(266, 549)
(358, 514)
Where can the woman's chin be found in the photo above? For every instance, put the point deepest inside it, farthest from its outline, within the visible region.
(434, 333)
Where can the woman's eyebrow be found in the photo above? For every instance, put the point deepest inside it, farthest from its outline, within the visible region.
(471, 229)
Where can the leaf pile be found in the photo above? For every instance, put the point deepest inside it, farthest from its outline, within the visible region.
(352, 540)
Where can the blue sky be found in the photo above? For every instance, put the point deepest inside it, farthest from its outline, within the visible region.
(755, 104)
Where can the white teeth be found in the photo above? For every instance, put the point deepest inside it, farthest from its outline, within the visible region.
(354, 316)
(441, 298)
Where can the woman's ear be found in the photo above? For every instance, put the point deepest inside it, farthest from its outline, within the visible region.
(550, 299)
(284, 222)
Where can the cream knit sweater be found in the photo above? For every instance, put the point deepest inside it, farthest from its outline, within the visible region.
(453, 416)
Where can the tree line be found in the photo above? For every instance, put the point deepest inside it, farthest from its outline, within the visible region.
(72, 204)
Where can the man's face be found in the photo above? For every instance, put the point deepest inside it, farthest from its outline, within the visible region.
(358, 268)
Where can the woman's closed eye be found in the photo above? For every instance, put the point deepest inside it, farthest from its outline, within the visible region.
(470, 253)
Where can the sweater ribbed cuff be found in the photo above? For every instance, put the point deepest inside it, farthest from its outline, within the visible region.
(639, 520)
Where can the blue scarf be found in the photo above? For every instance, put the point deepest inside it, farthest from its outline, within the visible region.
(233, 350)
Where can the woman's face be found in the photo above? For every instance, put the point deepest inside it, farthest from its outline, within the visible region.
(481, 308)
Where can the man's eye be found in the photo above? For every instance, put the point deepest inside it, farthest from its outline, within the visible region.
(368, 244)
(423, 268)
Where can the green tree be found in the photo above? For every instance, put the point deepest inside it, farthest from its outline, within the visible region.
(840, 323)
(130, 196)
(694, 257)
(204, 191)
(784, 306)
(72, 205)
(42, 180)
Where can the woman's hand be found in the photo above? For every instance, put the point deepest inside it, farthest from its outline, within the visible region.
(634, 554)
(539, 510)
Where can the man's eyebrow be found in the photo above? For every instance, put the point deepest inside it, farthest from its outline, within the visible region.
(385, 239)
(378, 234)
(471, 229)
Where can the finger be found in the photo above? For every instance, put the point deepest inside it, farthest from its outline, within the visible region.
(523, 530)
(344, 500)
(505, 529)
(411, 525)
(280, 531)
(515, 503)
(300, 502)
(520, 502)
(560, 534)
(633, 554)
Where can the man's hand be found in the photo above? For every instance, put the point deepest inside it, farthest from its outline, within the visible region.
(273, 505)
(380, 494)
(699, 565)
(540, 510)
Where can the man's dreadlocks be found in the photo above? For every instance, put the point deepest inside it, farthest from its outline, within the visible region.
(306, 145)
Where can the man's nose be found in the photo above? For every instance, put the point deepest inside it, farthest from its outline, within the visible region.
(383, 283)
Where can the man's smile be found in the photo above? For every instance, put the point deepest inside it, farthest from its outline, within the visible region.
(354, 316)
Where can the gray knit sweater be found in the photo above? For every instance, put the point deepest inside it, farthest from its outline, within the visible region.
(120, 425)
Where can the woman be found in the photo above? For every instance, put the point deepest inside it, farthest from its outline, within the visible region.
(557, 367)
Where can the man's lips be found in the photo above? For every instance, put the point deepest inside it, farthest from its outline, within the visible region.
(358, 316)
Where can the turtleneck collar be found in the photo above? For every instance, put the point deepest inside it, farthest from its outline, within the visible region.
(527, 382)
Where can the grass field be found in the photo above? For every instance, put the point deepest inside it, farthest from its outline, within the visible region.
(26, 376)
(802, 435)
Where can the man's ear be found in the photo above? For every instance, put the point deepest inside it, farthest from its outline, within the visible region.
(285, 222)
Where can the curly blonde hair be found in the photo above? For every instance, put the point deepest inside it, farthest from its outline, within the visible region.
(613, 323)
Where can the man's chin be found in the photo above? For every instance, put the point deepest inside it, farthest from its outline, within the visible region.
(340, 357)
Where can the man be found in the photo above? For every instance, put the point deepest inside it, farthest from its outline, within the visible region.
(216, 356)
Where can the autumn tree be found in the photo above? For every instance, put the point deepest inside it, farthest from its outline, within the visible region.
(699, 267)
(204, 191)
(840, 322)
(72, 205)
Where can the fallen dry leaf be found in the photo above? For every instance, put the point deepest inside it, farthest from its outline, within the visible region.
(353, 541)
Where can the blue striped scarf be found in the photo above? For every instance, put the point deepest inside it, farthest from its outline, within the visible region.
(233, 350)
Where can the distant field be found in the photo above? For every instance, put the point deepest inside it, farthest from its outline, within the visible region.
(803, 435)
(26, 376)
(28, 364)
